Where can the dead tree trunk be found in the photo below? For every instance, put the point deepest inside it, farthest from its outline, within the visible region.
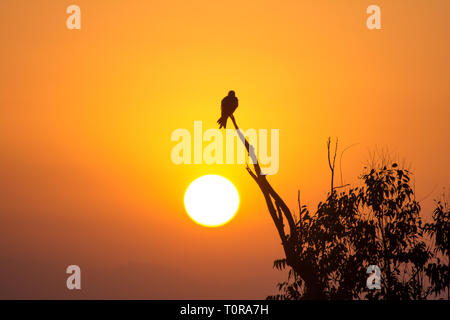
(289, 234)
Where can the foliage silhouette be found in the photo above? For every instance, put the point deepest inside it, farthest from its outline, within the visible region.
(438, 269)
(378, 223)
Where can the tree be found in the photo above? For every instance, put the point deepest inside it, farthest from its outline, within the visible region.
(376, 224)
(280, 214)
(328, 252)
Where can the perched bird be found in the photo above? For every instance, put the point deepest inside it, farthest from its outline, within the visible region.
(229, 104)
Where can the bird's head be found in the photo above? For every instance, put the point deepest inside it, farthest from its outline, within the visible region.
(231, 93)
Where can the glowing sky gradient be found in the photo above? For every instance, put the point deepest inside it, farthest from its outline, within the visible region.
(86, 118)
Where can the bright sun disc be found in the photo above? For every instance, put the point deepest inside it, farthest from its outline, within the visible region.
(211, 200)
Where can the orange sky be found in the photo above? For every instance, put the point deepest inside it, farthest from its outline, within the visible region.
(86, 118)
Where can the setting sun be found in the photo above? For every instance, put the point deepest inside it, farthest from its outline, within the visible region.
(211, 200)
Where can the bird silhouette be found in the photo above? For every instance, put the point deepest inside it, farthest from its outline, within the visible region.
(228, 105)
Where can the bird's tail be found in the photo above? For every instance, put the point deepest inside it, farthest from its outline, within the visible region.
(222, 122)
